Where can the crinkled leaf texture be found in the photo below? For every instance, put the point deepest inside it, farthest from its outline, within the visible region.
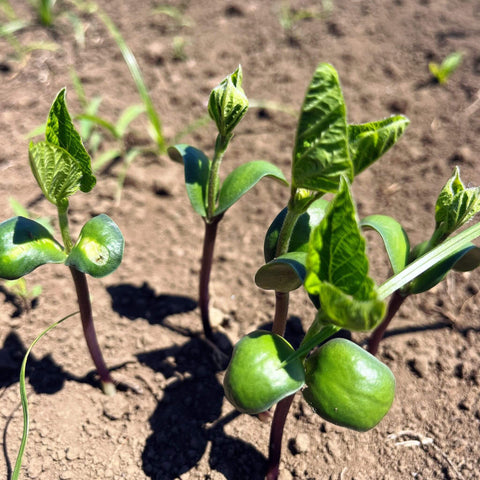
(24, 246)
(55, 171)
(242, 179)
(99, 248)
(456, 204)
(284, 273)
(369, 141)
(321, 154)
(337, 268)
(60, 131)
(197, 169)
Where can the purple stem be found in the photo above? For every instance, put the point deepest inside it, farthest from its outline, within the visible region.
(396, 301)
(205, 270)
(276, 435)
(85, 306)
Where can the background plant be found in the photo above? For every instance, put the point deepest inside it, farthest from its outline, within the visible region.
(443, 71)
(61, 166)
(210, 197)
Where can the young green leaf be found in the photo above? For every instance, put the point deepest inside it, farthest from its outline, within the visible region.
(284, 273)
(337, 268)
(99, 248)
(60, 131)
(456, 204)
(197, 168)
(321, 155)
(369, 141)
(24, 246)
(443, 71)
(55, 170)
(228, 103)
(301, 231)
(394, 237)
(242, 179)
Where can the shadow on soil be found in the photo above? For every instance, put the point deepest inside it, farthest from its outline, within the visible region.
(44, 375)
(142, 302)
(186, 423)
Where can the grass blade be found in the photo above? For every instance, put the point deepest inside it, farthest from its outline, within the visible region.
(132, 64)
(23, 396)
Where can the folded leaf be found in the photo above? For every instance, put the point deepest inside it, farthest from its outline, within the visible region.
(99, 248)
(337, 268)
(369, 141)
(321, 155)
(197, 168)
(24, 246)
(284, 273)
(60, 131)
(242, 179)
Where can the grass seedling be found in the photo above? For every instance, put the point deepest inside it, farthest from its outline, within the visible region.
(443, 71)
(24, 399)
(319, 244)
(61, 167)
(137, 76)
(209, 197)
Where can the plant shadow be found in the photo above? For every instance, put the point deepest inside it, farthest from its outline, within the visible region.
(142, 302)
(44, 375)
(21, 305)
(186, 424)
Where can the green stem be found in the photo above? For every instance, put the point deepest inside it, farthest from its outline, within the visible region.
(62, 210)
(213, 178)
(282, 298)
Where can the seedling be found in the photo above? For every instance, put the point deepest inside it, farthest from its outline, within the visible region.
(449, 65)
(319, 245)
(209, 197)
(61, 166)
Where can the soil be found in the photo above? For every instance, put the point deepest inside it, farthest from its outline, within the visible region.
(176, 423)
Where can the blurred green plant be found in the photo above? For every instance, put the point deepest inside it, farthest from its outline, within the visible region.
(443, 71)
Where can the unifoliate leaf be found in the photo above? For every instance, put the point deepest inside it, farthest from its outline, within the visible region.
(301, 231)
(55, 171)
(394, 238)
(283, 274)
(320, 155)
(437, 273)
(24, 246)
(242, 179)
(456, 204)
(337, 268)
(60, 131)
(197, 169)
(99, 248)
(369, 141)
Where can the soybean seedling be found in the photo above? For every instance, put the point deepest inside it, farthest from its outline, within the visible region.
(61, 167)
(210, 197)
(320, 245)
(444, 70)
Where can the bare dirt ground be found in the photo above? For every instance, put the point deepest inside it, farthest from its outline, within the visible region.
(178, 424)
